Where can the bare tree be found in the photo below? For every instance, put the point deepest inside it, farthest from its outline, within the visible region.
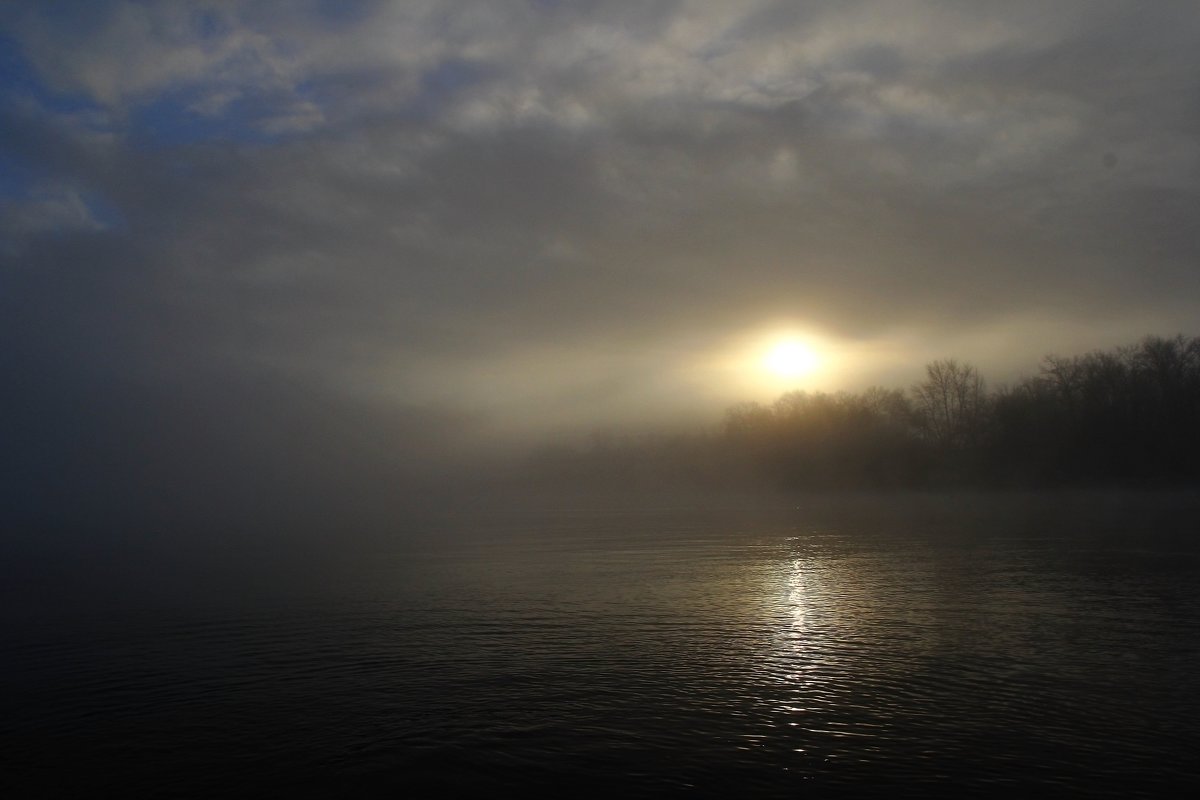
(950, 402)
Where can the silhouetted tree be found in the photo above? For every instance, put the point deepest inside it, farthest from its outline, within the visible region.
(950, 403)
(1130, 415)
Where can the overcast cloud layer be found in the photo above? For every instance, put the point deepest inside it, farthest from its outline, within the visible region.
(529, 212)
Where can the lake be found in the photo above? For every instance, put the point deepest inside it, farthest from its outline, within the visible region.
(910, 644)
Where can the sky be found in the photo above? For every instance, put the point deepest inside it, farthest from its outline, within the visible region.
(229, 229)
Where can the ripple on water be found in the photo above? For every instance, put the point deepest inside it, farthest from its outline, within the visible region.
(645, 654)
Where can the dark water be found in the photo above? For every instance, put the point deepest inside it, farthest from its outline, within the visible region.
(919, 646)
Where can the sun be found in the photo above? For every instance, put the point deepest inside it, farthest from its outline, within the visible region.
(791, 358)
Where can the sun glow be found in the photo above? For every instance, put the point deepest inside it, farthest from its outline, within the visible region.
(791, 358)
(763, 363)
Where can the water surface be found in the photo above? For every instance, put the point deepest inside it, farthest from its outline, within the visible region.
(926, 644)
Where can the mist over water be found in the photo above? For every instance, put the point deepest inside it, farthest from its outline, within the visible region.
(489, 396)
(934, 642)
(249, 583)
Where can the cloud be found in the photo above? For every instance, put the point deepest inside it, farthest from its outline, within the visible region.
(47, 210)
(413, 199)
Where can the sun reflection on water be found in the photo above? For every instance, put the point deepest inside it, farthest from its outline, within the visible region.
(809, 687)
(797, 595)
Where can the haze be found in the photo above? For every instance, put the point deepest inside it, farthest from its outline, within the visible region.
(343, 241)
(582, 398)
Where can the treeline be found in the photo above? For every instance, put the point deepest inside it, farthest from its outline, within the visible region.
(1128, 416)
